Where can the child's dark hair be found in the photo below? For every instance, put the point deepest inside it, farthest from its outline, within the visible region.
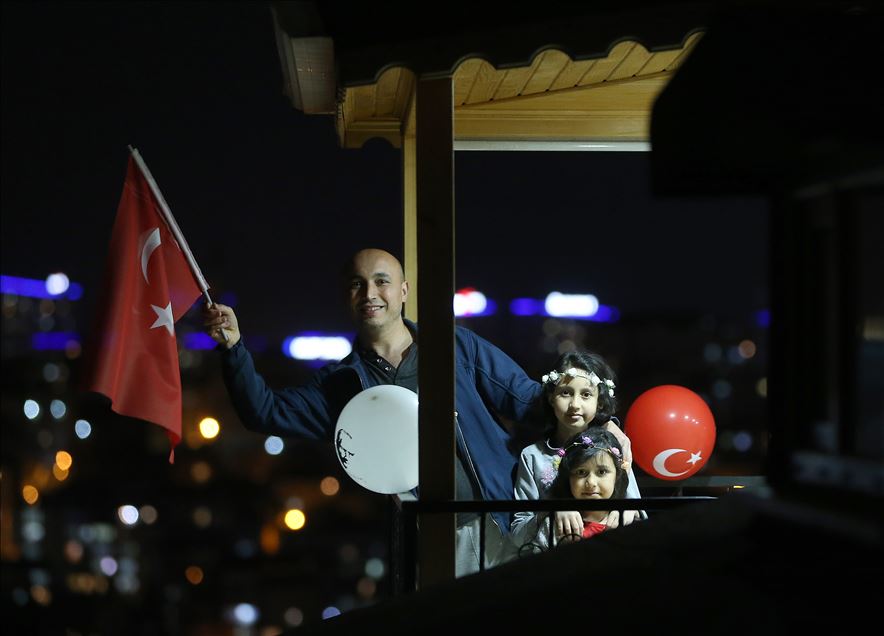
(588, 361)
(585, 446)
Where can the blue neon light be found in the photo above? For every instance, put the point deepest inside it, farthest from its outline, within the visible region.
(32, 288)
(536, 307)
(53, 340)
(199, 341)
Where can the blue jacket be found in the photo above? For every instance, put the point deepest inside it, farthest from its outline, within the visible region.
(485, 377)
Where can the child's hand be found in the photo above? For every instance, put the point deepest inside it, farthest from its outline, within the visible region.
(569, 526)
(613, 520)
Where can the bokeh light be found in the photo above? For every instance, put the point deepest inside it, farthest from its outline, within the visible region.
(209, 428)
(329, 486)
(64, 460)
(295, 519)
(30, 494)
(31, 409)
(193, 574)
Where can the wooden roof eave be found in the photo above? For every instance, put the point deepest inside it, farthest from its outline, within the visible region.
(359, 63)
(607, 98)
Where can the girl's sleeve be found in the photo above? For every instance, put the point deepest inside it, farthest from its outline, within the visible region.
(526, 524)
(632, 491)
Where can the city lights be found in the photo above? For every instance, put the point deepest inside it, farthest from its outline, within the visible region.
(295, 519)
(82, 429)
(329, 486)
(33, 288)
(469, 303)
(245, 614)
(31, 409)
(58, 409)
(273, 445)
(559, 305)
(193, 574)
(57, 284)
(209, 428)
(571, 305)
(128, 515)
(30, 494)
(317, 346)
(55, 341)
(64, 460)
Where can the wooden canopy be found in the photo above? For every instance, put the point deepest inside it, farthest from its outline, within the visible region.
(554, 98)
(568, 74)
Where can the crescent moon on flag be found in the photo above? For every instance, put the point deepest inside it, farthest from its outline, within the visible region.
(660, 461)
(152, 242)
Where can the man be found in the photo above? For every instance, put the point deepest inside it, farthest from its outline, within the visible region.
(386, 352)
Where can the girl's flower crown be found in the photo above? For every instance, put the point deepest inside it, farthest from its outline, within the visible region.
(586, 441)
(594, 380)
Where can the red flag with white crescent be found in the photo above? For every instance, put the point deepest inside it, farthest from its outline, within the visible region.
(149, 286)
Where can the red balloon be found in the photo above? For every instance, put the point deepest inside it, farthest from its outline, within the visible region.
(672, 432)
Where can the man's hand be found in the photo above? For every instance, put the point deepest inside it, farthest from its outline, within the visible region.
(218, 317)
(625, 444)
(568, 526)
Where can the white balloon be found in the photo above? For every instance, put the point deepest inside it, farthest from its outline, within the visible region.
(376, 439)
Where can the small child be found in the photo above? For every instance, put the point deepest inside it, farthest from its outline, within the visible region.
(592, 469)
(577, 394)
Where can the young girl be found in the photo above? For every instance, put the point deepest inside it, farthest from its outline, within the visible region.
(592, 469)
(579, 392)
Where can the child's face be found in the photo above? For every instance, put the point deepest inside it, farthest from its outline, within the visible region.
(574, 402)
(594, 478)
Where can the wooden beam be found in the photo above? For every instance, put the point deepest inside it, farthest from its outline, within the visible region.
(434, 156)
(409, 207)
(547, 126)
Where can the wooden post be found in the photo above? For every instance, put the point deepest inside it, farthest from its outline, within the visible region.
(434, 159)
(409, 206)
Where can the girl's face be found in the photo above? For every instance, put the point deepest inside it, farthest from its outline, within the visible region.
(574, 402)
(594, 478)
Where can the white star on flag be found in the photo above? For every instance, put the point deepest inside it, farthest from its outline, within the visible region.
(164, 318)
(695, 457)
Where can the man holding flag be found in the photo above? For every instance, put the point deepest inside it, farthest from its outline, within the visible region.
(386, 352)
(151, 281)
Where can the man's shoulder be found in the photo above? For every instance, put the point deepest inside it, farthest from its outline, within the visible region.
(347, 364)
(351, 360)
(461, 333)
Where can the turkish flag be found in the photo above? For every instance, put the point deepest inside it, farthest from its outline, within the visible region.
(133, 358)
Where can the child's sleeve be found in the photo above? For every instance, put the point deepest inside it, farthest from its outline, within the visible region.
(525, 525)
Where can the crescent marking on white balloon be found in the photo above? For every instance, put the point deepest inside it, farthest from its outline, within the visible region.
(662, 456)
(152, 242)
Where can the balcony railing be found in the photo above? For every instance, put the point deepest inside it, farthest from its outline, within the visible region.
(407, 510)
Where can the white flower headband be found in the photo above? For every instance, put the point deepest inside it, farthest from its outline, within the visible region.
(591, 377)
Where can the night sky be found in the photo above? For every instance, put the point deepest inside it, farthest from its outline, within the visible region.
(269, 203)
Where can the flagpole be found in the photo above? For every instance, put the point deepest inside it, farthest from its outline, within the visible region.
(176, 231)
